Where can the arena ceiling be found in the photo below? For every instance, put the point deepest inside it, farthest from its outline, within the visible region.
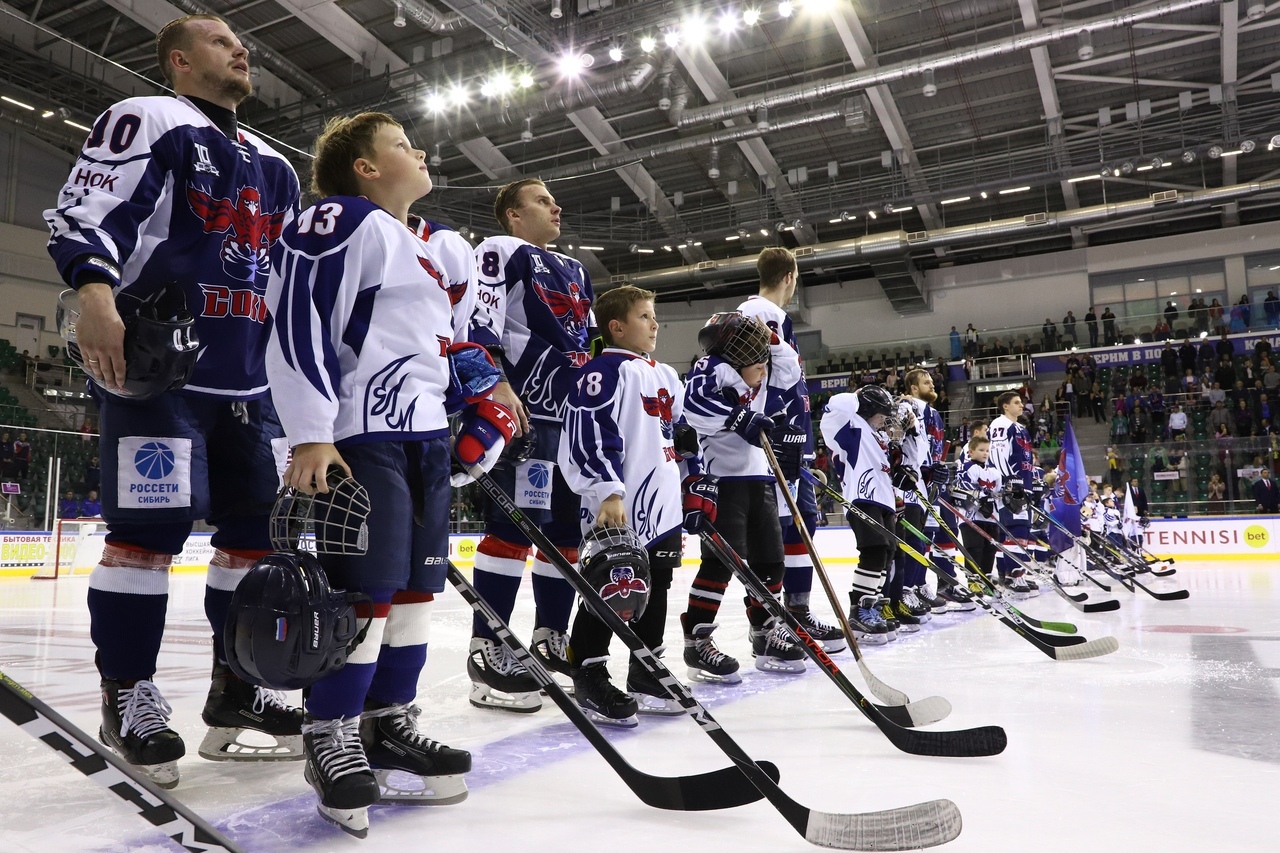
(877, 137)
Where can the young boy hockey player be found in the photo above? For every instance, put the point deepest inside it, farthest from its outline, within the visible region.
(364, 368)
(1013, 457)
(793, 441)
(618, 451)
(975, 491)
(853, 428)
(533, 314)
(724, 400)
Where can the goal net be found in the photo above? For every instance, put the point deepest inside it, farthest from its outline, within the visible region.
(74, 549)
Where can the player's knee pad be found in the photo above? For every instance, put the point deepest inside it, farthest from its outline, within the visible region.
(227, 568)
(501, 557)
(543, 565)
(160, 538)
(132, 571)
(873, 558)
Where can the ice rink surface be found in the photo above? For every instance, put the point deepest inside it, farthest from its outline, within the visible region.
(1170, 744)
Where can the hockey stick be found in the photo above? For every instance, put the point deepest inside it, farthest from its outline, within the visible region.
(1080, 603)
(1004, 611)
(159, 808)
(929, 710)
(1129, 580)
(1080, 600)
(987, 740)
(719, 789)
(907, 828)
(1043, 642)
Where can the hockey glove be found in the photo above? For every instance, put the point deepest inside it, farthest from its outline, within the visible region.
(700, 494)
(749, 425)
(1014, 496)
(484, 430)
(1144, 522)
(987, 506)
(788, 446)
(903, 478)
(937, 474)
(964, 499)
(685, 441)
(472, 375)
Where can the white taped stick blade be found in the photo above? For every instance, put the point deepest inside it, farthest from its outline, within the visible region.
(1092, 649)
(909, 828)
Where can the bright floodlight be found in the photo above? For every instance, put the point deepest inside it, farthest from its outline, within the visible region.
(435, 102)
(671, 38)
(526, 80)
(750, 17)
(693, 30)
(458, 95)
(500, 83)
(648, 43)
(728, 23)
(570, 65)
(784, 9)
(615, 53)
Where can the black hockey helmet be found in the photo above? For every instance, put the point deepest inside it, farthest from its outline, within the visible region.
(614, 561)
(286, 628)
(160, 343)
(737, 338)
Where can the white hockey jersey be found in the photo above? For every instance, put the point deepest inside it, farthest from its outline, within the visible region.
(617, 440)
(707, 408)
(160, 195)
(980, 478)
(536, 305)
(794, 401)
(860, 453)
(363, 318)
(1094, 516)
(455, 260)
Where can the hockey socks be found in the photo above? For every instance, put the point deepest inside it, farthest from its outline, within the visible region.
(340, 695)
(552, 594)
(226, 570)
(128, 598)
(499, 566)
(404, 648)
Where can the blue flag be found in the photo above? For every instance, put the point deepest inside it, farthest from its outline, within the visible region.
(1069, 491)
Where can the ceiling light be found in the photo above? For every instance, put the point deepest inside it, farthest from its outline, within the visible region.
(764, 232)
(1105, 172)
(1085, 49)
(487, 90)
(1126, 168)
(526, 134)
(648, 43)
(587, 60)
(47, 114)
(1248, 146)
(743, 233)
(697, 242)
(571, 65)
(1255, 10)
(784, 9)
(1232, 153)
(834, 221)
(526, 80)
(501, 83)
(666, 248)
(955, 200)
(671, 38)
(634, 248)
(1086, 178)
(9, 100)
(1146, 168)
(728, 23)
(732, 237)
(458, 95)
(1157, 162)
(797, 223)
(1215, 152)
(1188, 156)
(436, 159)
(399, 20)
(930, 88)
(871, 213)
(1274, 143)
(591, 248)
(615, 53)
(1013, 190)
(77, 126)
(983, 193)
(904, 209)
(557, 10)
(435, 103)
(750, 17)
(645, 251)
(682, 246)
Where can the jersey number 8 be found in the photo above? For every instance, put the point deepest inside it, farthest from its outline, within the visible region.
(593, 381)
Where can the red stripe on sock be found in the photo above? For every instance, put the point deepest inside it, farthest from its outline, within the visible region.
(408, 596)
(495, 547)
(378, 610)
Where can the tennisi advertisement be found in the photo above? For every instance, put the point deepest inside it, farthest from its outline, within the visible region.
(1239, 537)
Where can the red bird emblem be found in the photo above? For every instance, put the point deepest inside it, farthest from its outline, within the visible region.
(660, 407)
(623, 582)
(250, 232)
(572, 308)
(455, 291)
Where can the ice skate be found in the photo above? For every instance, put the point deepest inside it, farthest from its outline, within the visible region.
(135, 725)
(339, 771)
(600, 699)
(830, 636)
(706, 662)
(775, 650)
(499, 680)
(411, 768)
(234, 707)
(651, 697)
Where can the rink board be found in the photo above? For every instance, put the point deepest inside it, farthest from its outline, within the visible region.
(1243, 537)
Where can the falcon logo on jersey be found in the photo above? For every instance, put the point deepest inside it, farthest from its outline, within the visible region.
(455, 291)
(382, 397)
(250, 231)
(660, 407)
(572, 309)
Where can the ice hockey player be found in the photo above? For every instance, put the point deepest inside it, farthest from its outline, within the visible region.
(975, 494)
(1013, 457)
(621, 450)
(364, 364)
(164, 229)
(533, 315)
(1113, 520)
(854, 427)
(779, 276)
(724, 400)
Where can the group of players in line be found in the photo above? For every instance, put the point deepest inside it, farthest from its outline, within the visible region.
(223, 325)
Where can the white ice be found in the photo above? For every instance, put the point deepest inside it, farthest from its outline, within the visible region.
(1170, 744)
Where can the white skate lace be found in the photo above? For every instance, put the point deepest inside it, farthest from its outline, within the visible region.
(405, 720)
(708, 652)
(779, 639)
(143, 710)
(909, 598)
(557, 644)
(502, 660)
(264, 698)
(337, 748)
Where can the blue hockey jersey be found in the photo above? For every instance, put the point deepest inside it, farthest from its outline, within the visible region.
(536, 305)
(160, 195)
(618, 440)
(1011, 451)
